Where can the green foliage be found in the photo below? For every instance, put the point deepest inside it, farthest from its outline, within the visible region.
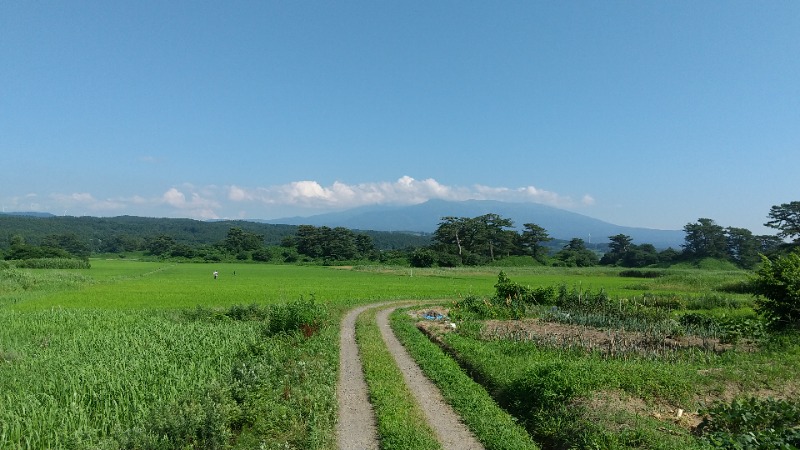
(203, 422)
(634, 273)
(474, 307)
(786, 218)
(492, 425)
(53, 263)
(575, 254)
(510, 301)
(505, 289)
(422, 257)
(401, 422)
(306, 316)
(729, 329)
(332, 244)
(240, 241)
(752, 424)
(777, 286)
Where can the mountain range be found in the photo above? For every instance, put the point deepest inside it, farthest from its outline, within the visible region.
(425, 218)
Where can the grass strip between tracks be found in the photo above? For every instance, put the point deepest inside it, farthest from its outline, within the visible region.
(493, 427)
(401, 422)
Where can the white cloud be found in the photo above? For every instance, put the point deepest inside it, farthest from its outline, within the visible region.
(405, 191)
(86, 201)
(307, 196)
(196, 206)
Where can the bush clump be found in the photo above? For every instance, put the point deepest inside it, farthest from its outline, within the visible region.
(777, 289)
(635, 273)
(505, 289)
(306, 316)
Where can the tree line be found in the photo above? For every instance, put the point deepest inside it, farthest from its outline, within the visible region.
(457, 241)
(484, 239)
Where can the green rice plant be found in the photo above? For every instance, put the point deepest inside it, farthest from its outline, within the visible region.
(52, 263)
(401, 422)
(13, 280)
(83, 377)
(493, 427)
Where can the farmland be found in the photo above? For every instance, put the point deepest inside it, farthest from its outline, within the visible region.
(135, 354)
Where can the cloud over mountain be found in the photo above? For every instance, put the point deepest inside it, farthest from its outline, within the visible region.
(302, 197)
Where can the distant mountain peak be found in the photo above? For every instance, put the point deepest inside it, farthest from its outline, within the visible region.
(426, 217)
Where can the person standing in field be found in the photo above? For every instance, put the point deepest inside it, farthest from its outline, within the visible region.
(216, 274)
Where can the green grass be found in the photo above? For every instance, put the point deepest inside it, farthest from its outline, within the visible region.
(401, 422)
(79, 375)
(493, 427)
(153, 286)
(545, 387)
(109, 357)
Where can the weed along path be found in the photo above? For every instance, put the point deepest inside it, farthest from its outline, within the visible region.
(447, 425)
(356, 427)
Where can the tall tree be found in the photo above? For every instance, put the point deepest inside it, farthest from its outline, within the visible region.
(705, 239)
(786, 218)
(309, 240)
(239, 240)
(532, 238)
(365, 245)
(69, 242)
(160, 245)
(575, 253)
(452, 231)
(494, 230)
(619, 245)
(743, 247)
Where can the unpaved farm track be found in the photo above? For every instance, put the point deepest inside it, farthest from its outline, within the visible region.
(356, 427)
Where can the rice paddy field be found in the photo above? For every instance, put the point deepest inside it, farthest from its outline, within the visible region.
(133, 354)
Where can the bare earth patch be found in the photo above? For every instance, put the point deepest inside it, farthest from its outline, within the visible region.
(595, 338)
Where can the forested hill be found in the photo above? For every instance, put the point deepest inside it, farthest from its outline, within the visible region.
(187, 231)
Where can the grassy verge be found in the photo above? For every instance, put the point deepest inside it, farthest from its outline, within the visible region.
(493, 427)
(401, 422)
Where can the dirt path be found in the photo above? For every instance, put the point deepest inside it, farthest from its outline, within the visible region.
(447, 425)
(356, 428)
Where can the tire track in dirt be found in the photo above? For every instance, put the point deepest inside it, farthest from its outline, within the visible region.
(356, 427)
(451, 432)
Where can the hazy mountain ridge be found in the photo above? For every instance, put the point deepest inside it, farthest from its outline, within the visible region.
(425, 217)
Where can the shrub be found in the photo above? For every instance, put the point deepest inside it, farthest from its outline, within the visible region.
(474, 307)
(777, 289)
(303, 315)
(634, 273)
(422, 257)
(505, 289)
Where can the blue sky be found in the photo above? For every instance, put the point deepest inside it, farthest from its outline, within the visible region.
(649, 114)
